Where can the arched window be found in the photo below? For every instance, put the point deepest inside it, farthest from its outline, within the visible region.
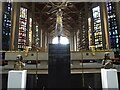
(63, 40)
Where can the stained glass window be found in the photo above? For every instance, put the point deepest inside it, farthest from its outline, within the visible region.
(89, 32)
(113, 25)
(37, 36)
(30, 32)
(6, 26)
(82, 43)
(97, 28)
(22, 28)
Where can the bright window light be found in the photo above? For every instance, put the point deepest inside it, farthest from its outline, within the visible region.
(55, 40)
(63, 40)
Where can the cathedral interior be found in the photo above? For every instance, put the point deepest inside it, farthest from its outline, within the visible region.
(90, 29)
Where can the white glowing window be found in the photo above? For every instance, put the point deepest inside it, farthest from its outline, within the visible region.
(96, 11)
(22, 28)
(97, 26)
(63, 40)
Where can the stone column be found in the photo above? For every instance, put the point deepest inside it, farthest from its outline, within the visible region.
(86, 27)
(78, 40)
(27, 31)
(41, 37)
(47, 39)
(15, 25)
(45, 43)
(33, 25)
(39, 34)
(1, 14)
(104, 25)
(74, 41)
(50, 38)
(40, 30)
(71, 42)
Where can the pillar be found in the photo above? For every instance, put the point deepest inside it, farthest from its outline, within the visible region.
(27, 31)
(86, 26)
(39, 35)
(71, 42)
(47, 39)
(78, 39)
(104, 25)
(75, 41)
(50, 39)
(15, 25)
(1, 13)
(40, 30)
(33, 24)
(1, 7)
(45, 43)
(41, 38)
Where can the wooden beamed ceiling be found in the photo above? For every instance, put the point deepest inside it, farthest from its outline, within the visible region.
(46, 12)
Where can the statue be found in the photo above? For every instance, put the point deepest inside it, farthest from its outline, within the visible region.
(19, 65)
(107, 63)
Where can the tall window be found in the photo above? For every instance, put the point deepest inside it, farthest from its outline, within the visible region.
(6, 26)
(113, 26)
(97, 27)
(82, 43)
(30, 32)
(89, 32)
(37, 36)
(83, 35)
(63, 40)
(22, 28)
